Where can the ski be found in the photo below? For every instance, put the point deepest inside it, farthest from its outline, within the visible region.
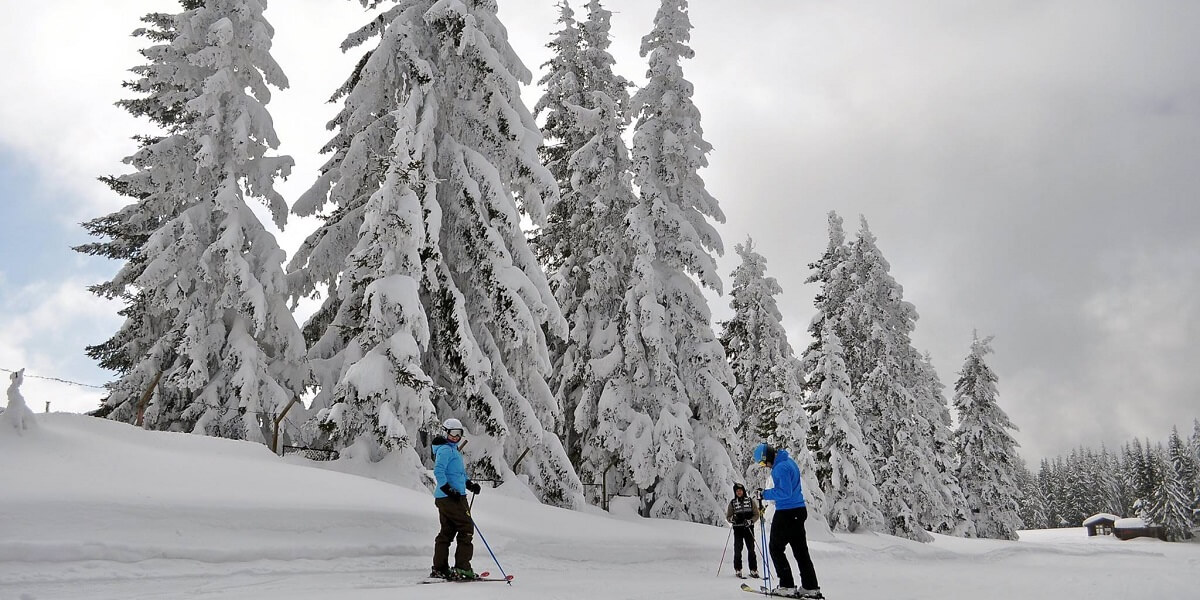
(484, 576)
(765, 592)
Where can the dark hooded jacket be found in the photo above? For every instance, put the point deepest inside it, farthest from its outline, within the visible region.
(744, 511)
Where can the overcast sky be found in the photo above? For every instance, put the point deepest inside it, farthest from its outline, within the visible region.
(1030, 169)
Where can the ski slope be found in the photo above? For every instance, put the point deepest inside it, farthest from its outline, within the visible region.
(92, 509)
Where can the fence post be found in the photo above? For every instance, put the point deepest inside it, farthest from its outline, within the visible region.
(145, 397)
(275, 437)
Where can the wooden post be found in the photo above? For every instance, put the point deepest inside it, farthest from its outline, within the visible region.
(146, 397)
(604, 487)
(519, 459)
(275, 436)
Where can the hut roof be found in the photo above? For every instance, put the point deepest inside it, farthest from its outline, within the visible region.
(1099, 517)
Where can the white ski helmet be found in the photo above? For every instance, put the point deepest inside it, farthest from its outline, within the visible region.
(452, 423)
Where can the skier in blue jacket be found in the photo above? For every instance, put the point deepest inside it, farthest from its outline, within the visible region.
(450, 497)
(787, 527)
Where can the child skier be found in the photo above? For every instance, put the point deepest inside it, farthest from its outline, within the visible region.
(450, 497)
(787, 527)
(743, 512)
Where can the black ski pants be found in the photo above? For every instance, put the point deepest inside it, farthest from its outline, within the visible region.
(455, 515)
(744, 534)
(788, 529)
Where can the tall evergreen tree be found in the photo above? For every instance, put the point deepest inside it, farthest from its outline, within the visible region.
(583, 245)
(162, 103)
(1172, 504)
(207, 324)
(1033, 509)
(565, 88)
(766, 386)
(1194, 448)
(843, 462)
(436, 303)
(947, 511)
(833, 273)
(989, 466)
(671, 409)
(889, 400)
(1146, 476)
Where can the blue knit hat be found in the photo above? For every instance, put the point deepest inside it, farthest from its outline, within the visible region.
(764, 453)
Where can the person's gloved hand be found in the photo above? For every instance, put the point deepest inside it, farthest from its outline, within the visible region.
(449, 491)
(758, 493)
(473, 487)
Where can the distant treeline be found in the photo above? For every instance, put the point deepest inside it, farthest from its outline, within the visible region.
(1160, 483)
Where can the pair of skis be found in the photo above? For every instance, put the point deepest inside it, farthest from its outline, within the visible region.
(765, 592)
(484, 576)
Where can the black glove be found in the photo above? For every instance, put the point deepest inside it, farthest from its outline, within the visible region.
(473, 487)
(449, 491)
(758, 493)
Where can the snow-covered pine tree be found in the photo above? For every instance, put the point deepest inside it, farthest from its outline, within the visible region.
(766, 386)
(880, 363)
(946, 512)
(1048, 483)
(432, 284)
(1145, 472)
(1033, 509)
(1171, 502)
(675, 409)
(988, 461)
(1194, 449)
(843, 462)
(583, 245)
(832, 272)
(206, 315)
(162, 103)
(564, 84)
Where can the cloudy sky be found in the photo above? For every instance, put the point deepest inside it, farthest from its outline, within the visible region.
(1030, 169)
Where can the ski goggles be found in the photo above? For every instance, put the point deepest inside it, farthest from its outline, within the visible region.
(454, 432)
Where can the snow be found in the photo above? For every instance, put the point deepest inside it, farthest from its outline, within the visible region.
(91, 508)
(1129, 523)
(1096, 518)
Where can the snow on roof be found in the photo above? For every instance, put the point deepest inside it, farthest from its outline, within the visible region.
(1096, 518)
(1130, 523)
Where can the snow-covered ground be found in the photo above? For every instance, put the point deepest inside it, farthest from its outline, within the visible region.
(95, 509)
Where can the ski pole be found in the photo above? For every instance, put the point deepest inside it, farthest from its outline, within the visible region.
(488, 546)
(724, 551)
(762, 522)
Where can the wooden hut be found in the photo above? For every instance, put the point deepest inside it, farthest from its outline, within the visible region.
(1128, 529)
(1100, 524)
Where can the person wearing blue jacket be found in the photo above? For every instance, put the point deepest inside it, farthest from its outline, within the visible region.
(450, 497)
(787, 527)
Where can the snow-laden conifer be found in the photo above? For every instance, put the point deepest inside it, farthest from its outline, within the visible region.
(879, 361)
(583, 244)
(207, 323)
(564, 85)
(672, 404)
(436, 304)
(1171, 502)
(843, 462)
(766, 386)
(833, 273)
(1194, 450)
(987, 452)
(1033, 509)
(945, 512)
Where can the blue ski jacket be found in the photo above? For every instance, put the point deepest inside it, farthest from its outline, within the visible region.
(448, 469)
(787, 492)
